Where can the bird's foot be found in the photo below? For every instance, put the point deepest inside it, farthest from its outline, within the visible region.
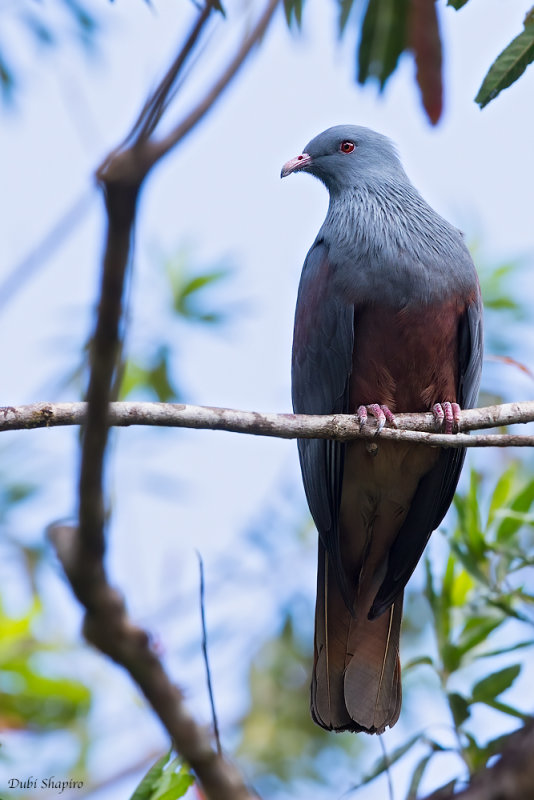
(382, 414)
(447, 415)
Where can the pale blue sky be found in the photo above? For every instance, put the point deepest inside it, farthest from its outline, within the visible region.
(221, 192)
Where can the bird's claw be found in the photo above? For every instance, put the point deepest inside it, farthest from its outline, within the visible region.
(447, 415)
(382, 414)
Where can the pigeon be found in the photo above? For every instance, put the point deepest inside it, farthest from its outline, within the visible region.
(388, 320)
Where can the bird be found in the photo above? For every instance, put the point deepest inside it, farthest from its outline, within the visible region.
(388, 319)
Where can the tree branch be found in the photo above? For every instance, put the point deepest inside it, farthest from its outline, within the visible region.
(81, 550)
(418, 428)
(511, 778)
(161, 148)
(108, 627)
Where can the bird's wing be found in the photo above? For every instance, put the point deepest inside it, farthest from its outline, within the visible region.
(436, 489)
(321, 366)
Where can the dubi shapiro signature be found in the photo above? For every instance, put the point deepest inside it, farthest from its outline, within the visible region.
(44, 783)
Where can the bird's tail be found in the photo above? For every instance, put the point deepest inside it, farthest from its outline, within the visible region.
(356, 683)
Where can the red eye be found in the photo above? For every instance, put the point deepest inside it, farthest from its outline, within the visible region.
(346, 147)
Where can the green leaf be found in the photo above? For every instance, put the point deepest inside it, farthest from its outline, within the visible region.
(502, 490)
(345, 7)
(150, 780)
(511, 649)
(293, 12)
(164, 780)
(476, 630)
(457, 4)
(493, 685)
(508, 66)
(416, 662)
(154, 378)
(459, 707)
(383, 39)
(521, 503)
(417, 776)
(504, 708)
(175, 782)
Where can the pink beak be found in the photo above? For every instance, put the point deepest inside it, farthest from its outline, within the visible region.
(294, 164)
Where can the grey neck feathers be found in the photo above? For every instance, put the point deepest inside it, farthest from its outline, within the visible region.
(385, 241)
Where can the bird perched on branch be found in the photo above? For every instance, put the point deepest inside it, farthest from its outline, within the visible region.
(388, 319)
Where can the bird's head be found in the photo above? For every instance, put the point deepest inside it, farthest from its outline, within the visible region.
(346, 156)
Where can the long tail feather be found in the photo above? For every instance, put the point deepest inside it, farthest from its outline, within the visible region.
(356, 678)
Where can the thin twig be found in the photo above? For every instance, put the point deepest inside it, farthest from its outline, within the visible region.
(206, 658)
(160, 148)
(41, 252)
(388, 767)
(417, 428)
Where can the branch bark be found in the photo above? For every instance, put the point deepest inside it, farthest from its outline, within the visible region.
(511, 778)
(108, 627)
(418, 428)
(81, 549)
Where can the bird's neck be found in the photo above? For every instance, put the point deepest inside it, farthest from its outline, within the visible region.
(386, 240)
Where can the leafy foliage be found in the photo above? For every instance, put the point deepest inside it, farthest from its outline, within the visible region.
(390, 28)
(168, 779)
(478, 593)
(44, 32)
(30, 699)
(480, 615)
(510, 64)
(153, 378)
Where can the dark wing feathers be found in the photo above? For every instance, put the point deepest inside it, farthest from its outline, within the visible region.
(436, 489)
(321, 366)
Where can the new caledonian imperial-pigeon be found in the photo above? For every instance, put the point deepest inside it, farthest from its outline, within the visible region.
(388, 319)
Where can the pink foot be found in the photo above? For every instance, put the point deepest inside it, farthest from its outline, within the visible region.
(448, 415)
(381, 413)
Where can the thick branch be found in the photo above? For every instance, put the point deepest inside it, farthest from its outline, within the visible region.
(511, 778)
(417, 428)
(109, 628)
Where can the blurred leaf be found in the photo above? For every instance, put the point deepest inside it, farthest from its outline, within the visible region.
(502, 491)
(165, 780)
(188, 289)
(7, 80)
(509, 65)
(42, 32)
(151, 778)
(382, 40)
(154, 378)
(510, 649)
(417, 662)
(417, 775)
(476, 630)
(293, 12)
(493, 685)
(345, 7)
(459, 707)
(425, 42)
(504, 708)
(521, 503)
(457, 4)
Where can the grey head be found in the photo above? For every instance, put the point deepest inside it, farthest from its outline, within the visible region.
(347, 156)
